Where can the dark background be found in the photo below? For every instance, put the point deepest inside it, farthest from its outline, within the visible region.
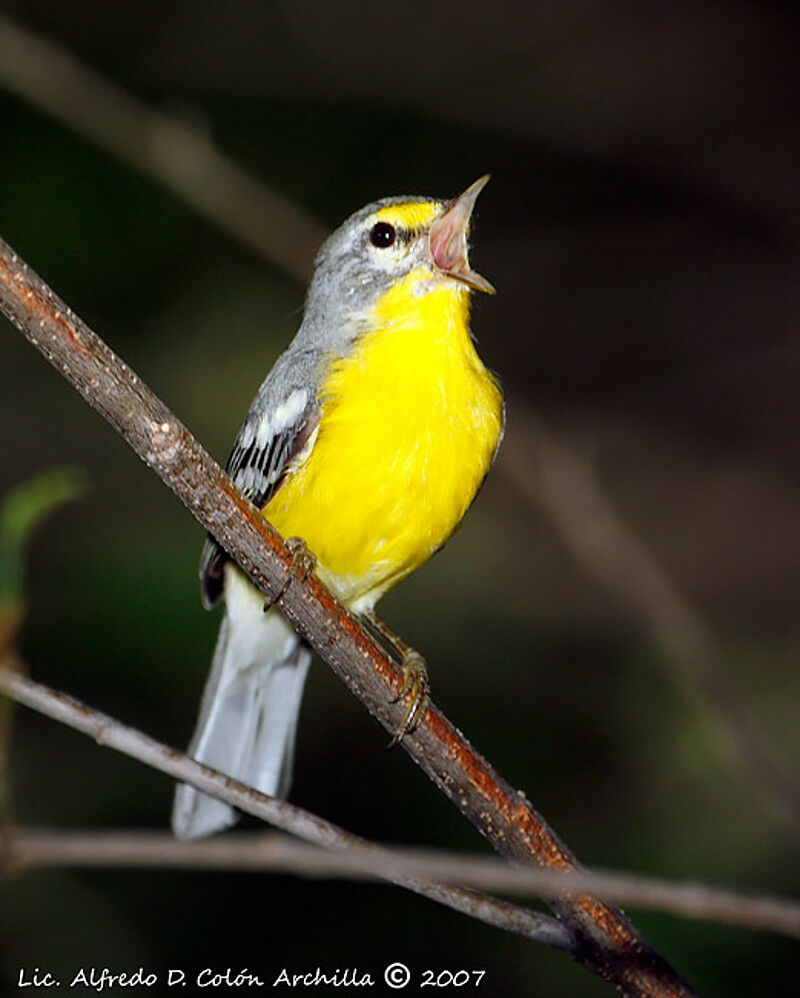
(642, 229)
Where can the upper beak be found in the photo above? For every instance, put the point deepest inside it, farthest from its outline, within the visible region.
(447, 238)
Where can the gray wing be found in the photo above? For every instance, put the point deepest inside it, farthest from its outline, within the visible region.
(276, 430)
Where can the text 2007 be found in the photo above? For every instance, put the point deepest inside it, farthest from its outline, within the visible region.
(451, 978)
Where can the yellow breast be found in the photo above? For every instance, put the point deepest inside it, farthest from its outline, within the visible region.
(410, 423)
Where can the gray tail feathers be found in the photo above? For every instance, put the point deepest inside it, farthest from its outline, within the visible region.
(248, 716)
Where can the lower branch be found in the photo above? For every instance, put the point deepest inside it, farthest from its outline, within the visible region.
(271, 852)
(367, 858)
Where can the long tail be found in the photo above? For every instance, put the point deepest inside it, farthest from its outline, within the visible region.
(248, 717)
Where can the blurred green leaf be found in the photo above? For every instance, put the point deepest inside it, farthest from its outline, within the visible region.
(21, 513)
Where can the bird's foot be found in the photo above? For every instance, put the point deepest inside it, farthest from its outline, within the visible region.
(415, 678)
(417, 688)
(302, 564)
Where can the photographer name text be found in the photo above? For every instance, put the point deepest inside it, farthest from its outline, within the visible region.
(396, 975)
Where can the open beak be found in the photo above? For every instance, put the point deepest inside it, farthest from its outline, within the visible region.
(447, 238)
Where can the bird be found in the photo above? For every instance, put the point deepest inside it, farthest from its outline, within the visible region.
(365, 446)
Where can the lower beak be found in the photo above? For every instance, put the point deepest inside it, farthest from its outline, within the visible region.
(447, 239)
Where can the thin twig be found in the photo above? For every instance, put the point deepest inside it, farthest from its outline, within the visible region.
(552, 474)
(164, 148)
(605, 940)
(276, 853)
(370, 859)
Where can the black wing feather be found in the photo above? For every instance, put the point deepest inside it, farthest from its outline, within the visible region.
(258, 471)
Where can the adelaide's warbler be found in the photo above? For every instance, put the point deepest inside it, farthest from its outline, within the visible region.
(368, 440)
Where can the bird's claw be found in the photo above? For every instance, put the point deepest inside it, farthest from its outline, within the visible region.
(415, 678)
(417, 688)
(302, 564)
(304, 561)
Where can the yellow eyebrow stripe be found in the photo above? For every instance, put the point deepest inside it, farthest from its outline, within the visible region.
(415, 215)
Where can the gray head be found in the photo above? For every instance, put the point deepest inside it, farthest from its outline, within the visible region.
(380, 244)
(372, 251)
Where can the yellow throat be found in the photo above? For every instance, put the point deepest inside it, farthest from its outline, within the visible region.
(410, 423)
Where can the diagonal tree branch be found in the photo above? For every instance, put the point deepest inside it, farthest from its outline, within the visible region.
(605, 940)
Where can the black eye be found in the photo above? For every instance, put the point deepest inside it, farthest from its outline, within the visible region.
(382, 235)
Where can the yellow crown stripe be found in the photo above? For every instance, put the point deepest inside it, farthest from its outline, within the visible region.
(415, 215)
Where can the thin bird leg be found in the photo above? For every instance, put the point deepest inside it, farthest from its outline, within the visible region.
(415, 677)
(303, 563)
